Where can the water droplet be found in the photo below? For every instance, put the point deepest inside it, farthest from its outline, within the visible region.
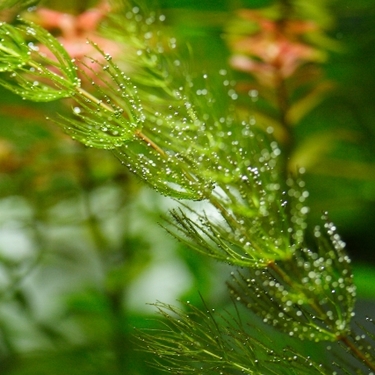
(30, 31)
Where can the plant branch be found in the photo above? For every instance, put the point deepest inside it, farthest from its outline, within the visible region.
(357, 352)
(137, 133)
(294, 286)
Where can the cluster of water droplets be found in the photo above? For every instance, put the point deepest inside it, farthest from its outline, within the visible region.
(169, 162)
(264, 217)
(110, 114)
(311, 296)
(29, 72)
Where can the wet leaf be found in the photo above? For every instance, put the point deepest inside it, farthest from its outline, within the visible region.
(35, 77)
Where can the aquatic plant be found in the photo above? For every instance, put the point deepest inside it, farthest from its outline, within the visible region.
(143, 107)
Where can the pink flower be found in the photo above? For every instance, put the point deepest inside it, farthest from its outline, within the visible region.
(76, 33)
(275, 47)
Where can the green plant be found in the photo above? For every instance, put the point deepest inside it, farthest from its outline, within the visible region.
(193, 147)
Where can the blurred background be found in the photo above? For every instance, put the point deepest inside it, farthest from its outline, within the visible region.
(81, 251)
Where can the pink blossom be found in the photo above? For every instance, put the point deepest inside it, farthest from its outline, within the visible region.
(76, 33)
(275, 48)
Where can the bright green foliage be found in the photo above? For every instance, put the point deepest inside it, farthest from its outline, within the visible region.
(30, 74)
(251, 214)
(107, 118)
(256, 225)
(310, 297)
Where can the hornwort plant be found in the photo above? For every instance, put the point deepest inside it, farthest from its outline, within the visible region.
(190, 147)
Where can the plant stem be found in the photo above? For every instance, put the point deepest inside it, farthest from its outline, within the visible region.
(296, 286)
(343, 338)
(357, 352)
(137, 133)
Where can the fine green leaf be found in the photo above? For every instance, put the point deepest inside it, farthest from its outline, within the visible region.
(209, 342)
(32, 74)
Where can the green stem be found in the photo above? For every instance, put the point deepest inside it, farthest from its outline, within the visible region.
(357, 352)
(314, 305)
(297, 287)
(137, 133)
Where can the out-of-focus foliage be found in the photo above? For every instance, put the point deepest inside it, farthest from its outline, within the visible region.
(6, 4)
